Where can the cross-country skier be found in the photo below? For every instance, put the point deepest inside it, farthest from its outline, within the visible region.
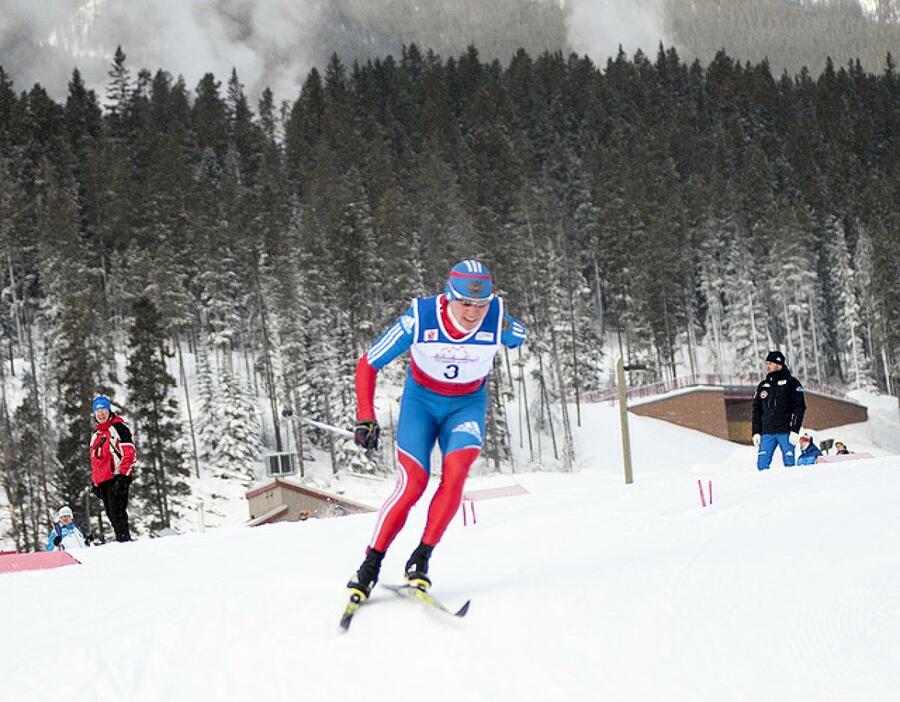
(452, 339)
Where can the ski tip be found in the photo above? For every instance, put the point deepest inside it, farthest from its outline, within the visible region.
(461, 612)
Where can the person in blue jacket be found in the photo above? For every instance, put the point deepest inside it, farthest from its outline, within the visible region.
(65, 535)
(809, 452)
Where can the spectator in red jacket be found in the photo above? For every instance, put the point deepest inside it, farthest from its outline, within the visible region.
(112, 459)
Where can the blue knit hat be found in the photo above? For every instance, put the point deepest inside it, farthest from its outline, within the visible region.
(471, 280)
(101, 402)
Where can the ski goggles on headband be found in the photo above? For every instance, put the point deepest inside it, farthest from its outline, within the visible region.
(474, 301)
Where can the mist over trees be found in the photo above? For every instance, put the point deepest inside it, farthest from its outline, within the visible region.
(670, 208)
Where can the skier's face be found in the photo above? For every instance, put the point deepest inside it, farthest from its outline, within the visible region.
(468, 315)
(101, 415)
(65, 519)
(772, 367)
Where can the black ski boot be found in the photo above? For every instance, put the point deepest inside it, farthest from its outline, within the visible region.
(417, 567)
(367, 575)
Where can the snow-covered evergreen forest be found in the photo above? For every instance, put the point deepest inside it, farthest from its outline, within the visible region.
(159, 231)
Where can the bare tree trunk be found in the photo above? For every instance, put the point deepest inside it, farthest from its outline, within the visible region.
(575, 356)
(887, 371)
(812, 317)
(691, 339)
(291, 394)
(802, 337)
(15, 306)
(545, 403)
(494, 424)
(756, 353)
(568, 444)
(524, 395)
(187, 401)
(41, 432)
(331, 447)
(787, 322)
(599, 298)
(267, 357)
(500, 405)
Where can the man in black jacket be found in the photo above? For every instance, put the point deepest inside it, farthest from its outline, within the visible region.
(778, 409)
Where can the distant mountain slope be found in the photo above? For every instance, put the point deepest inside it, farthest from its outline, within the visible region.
(792, 34)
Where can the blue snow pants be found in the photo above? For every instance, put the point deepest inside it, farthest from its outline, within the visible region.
(767, 444)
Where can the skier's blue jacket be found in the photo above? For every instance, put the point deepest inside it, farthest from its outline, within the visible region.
(809, 455)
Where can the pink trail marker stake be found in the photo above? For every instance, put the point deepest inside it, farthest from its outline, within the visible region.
(710, 492)
(471, 507)
(702, 498)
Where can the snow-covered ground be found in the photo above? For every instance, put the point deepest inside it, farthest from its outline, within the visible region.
(786, 588)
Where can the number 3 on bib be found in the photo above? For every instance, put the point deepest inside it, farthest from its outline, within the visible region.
(451, 372)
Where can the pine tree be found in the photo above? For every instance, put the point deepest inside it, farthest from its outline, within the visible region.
(78, 344)
(207, 406)
(237, 448)
(118, 94)
(842, 302)
(155, 418)
(25, 473)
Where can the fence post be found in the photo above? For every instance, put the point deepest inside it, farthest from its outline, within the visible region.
(623, 418)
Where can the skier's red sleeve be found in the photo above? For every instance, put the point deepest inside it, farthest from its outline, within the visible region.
(365, 390)
(128, 456)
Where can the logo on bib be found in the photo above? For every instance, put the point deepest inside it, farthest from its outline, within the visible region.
(431, 335)
(454, 354)
(484, 336)
(468, 428)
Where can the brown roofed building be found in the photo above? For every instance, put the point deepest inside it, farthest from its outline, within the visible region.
(283, 501)
(721, 406)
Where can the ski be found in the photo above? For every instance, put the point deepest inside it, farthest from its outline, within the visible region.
(409, 592)
(352, 606)
(412, 592)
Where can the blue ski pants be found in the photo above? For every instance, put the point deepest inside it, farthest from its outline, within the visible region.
(767, 444)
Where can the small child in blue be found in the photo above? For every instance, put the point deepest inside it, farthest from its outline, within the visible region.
(809, 452)
(66, 535)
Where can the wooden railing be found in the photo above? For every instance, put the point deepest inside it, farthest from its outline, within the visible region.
(695, 380)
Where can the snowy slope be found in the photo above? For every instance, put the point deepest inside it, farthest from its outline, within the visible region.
(786, 588)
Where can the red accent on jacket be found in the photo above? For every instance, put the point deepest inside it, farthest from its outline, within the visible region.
(112, 450)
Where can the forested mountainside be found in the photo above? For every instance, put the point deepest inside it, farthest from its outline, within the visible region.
(790, 34)
(668, 206)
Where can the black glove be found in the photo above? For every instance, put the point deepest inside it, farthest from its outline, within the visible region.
(89, 539)
(366, 434)
(96, 490)
(57, 540)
